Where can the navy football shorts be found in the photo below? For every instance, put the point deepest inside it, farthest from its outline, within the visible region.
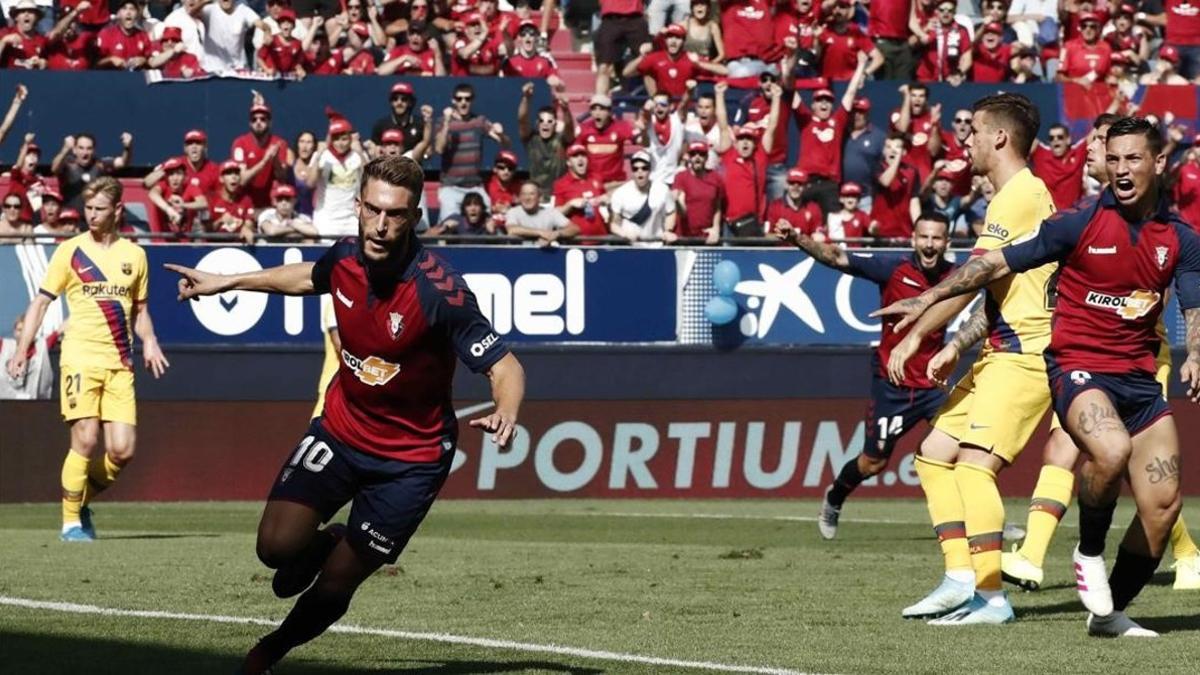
(893, 412)
(390, 496)
(1137, 397)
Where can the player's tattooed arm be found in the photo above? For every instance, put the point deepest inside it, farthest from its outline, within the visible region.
(974, 275)
(973, 330)
(827, 254)
(1189, 373)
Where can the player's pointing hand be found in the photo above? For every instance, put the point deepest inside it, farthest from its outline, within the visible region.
(194, 283)
(502, 426)
(909, 309)
(1189, 373)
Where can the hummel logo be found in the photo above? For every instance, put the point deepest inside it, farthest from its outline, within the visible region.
(1108, 250)
(910, 282)
(344, 300)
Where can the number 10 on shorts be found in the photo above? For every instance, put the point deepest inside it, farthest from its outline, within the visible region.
(313, 456)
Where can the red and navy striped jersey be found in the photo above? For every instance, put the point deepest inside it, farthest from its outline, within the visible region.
(402, 327)
(900, 276)
(1112, 280)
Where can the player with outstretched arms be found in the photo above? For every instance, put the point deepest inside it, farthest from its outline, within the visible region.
(106, 282)
(995, 408)
(388, 432)
(1117, 253)
(894, 408)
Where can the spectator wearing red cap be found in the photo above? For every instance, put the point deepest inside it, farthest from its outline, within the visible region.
(660, 130)
(668, 69)
(579, 194)
(459, 141)
(749, 36)
(895, 206)
(503, 185)
(337, 169)
(843, 45)
(793, 210)
(416, 56)
(122, 45)
(863, 150)
(1165, 69)
(229, 209)
(282, 221)
(24, 178)
(745, 165)
(186, 17)
(1087, 58)
(526, 61)
(283, 54)
(622, 27)
(1073, 11)
(271, 22)
(699, 196)
(888, 27)
(546, 139)
(1061, 165)
(264, 157)
(359, 27)
(700, 125)
(945, 49)
(990, 56)
(53, 219)
(67, 46)
(920, 122)
(642, 209)
(227, 24)
(173, 59)
(21, 45)
(403, 115)
(529, 218)
(822, 135)
(605, 137)
(392, 142)
(476, 53)
(754, 115)
(76, 164)
(849, 222)
(176, 202)
(200, 170)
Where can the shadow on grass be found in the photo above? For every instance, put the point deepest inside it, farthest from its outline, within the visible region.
(154, 535)
(38, 654)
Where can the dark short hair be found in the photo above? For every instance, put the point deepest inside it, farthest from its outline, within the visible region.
(398, 171)
(935, 216)
(918, 86)
(1014, 113)
(1105, 120)
(549, 110)
(473, 198)
(1137, 126)
(1059, 125)
(86, 134)
(464, 87)
(897, 136)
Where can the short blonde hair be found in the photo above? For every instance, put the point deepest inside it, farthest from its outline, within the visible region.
(104, 185)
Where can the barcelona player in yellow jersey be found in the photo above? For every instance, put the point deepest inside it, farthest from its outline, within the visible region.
(995, 408)
(105, 281)
(333, 350)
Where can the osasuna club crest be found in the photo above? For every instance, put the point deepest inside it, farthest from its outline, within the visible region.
(395, 324)
(1160, 254)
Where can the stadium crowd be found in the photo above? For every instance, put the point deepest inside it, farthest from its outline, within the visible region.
(704, 159)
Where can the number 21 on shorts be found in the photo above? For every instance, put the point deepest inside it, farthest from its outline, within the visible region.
(310, 455)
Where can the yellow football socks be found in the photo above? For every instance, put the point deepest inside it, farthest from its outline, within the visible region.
(74, 483)
(1182, 545)
(984, 511)
(1050, 500)
(945, 510)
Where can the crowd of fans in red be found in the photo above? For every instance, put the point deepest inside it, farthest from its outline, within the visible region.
(688, 165)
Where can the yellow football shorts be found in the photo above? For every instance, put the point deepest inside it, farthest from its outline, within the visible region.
(1162, 371)
(97, 392)
(997, 405)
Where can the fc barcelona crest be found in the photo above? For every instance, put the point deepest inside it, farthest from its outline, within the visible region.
(126, 268)
(1160, 254)
(395, 324)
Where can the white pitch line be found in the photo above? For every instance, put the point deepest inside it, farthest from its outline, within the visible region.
(736, 516)
(73, 608)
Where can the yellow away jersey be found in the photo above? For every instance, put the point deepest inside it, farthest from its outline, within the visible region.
(1018, 306)
(101, 284)
(332, 359)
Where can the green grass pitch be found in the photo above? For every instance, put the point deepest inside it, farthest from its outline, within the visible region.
(728, 583)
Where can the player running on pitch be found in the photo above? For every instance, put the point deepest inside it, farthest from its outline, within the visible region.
(1118, 254)
(1056, 483)
(996, 407)
(895, 408)
(388, 432)
(106, 281)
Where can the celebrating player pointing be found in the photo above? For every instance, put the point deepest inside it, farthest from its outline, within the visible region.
(388, 432)
(1118, 253)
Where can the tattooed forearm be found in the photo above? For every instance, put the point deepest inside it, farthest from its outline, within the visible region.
(977, 273)
(972, 330)
(1163, 469)
(1192, 319)
(1098, 420)
(826, 254)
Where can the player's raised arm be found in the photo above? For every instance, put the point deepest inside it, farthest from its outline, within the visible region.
(825, 253)
(294, 279)
(508, 390)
